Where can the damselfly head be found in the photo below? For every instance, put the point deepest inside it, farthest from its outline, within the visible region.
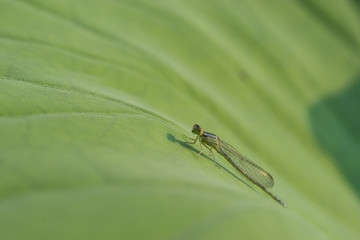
(196, 129)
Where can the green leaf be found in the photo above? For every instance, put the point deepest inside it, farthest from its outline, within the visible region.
(95, 97)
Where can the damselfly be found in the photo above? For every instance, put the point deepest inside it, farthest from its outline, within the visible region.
(253, 172)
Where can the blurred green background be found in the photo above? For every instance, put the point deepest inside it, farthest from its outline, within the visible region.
(95, 97)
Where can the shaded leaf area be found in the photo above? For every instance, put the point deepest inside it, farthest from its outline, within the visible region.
(335, 121)
(95, 97)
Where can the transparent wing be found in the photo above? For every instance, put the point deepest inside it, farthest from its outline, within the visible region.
(255, 173)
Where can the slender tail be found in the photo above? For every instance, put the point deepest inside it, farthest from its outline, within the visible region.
(220, 151)
(275, 197)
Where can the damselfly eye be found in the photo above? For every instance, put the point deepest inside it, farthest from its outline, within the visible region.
(196, 129)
